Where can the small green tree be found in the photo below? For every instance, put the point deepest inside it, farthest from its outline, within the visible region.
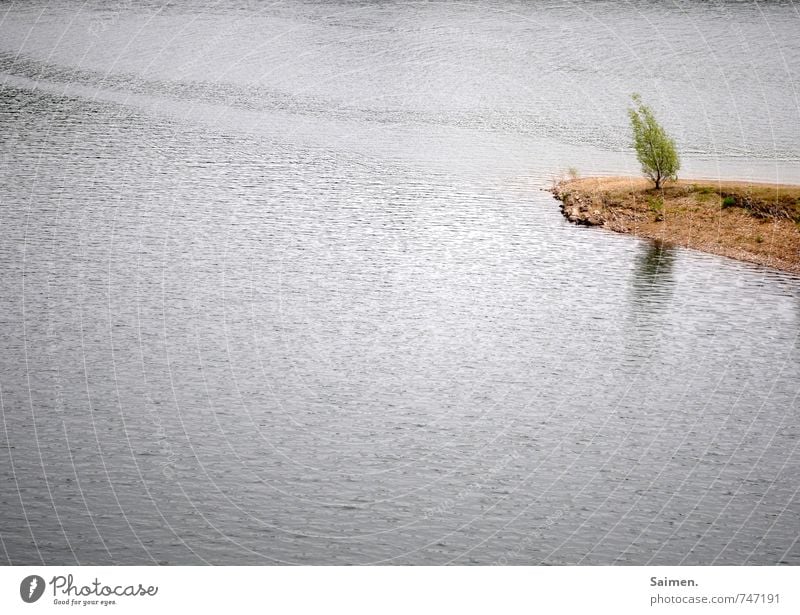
(654, 149)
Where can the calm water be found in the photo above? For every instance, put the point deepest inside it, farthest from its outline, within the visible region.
(280, 285)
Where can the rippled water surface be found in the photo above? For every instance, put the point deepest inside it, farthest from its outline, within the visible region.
(280, 284)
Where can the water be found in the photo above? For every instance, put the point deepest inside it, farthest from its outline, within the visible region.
(280, 284)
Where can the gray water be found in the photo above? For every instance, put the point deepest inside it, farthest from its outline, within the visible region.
(281, 284)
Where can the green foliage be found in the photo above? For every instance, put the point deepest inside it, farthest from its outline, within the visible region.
(656, 205)
(702, 193)
(655, 150)
(728, 201)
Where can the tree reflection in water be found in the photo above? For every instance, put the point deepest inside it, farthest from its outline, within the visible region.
(653, 280)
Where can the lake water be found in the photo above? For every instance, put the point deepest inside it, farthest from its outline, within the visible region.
(280, 284)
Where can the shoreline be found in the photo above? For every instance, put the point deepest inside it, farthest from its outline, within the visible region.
(747, 221)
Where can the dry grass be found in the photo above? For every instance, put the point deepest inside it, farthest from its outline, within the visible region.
(754, 222)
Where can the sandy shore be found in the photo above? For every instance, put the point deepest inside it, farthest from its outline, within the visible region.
(758, 223)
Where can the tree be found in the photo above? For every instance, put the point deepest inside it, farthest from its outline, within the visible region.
(654, 148)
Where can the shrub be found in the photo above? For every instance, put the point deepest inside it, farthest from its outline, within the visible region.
(656, 205)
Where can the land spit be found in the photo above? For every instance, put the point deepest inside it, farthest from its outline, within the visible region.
(753, 222)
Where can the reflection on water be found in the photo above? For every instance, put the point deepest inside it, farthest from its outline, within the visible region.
(651, 290)
(278, 286)
(653, 281)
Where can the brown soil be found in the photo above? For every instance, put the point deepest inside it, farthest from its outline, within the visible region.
(758, 223)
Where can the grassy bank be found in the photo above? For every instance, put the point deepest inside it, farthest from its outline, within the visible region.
(758, 223)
